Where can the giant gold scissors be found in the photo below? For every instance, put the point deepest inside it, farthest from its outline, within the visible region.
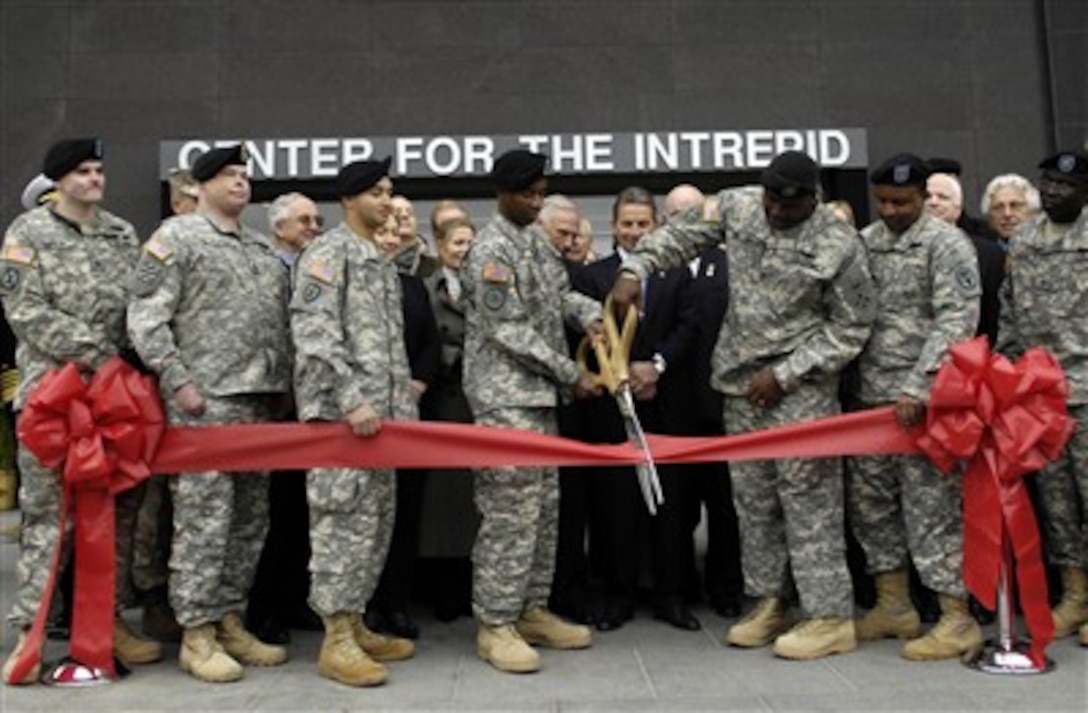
(613, 351)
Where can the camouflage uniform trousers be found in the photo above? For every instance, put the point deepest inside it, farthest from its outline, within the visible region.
(151, 549)
(1063, 497)
(220, 522)
(902, 506)
(352, 512)
(790, 511)
(514, 554)
(40, 500)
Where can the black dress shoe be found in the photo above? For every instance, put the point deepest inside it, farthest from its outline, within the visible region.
(677, 614)
(725, 607)
(398, 623)
(305, 619)
(375, 620)
(271, 631)
(446, 610)
(614, 615)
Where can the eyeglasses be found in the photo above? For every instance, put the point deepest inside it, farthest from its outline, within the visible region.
(316, 220)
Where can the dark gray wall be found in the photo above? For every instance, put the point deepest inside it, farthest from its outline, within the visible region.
(964, 78)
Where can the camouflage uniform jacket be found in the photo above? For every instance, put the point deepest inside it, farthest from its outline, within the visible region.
(348, 329)
(210, 307)
(64, 290)
(801, 301)
(928, 293)
(517, 296)
(1044, 299)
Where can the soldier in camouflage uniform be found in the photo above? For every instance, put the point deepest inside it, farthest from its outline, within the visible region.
(154, 520)
(516, 371)
(209, 317)
(351, 365)
(928, 291)
(63, 271)
(801, 303)
(1044, 303)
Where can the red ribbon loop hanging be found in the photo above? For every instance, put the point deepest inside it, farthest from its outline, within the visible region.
(105, 434)
(1006, 420)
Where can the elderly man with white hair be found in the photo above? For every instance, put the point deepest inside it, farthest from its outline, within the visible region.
(295, 222)
(944, 200)
(1008, 202)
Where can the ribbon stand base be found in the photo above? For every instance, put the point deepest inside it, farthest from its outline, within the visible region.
(69, 673)
(1007, 655)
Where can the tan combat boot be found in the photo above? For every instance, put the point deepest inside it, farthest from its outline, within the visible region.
(342, 659)
(202, 656)
(379, 646)
(131, 649)
(246, 647)
(502, 647)
(1072, 610)
(32, 675)
(956, 634)
(1084, 635)
(894, 615)
(761, 626)
(540, 627)
(816, 638)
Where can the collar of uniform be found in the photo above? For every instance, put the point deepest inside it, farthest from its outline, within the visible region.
(221, 230)
(520, 236)
(91, 227)
(368, 247)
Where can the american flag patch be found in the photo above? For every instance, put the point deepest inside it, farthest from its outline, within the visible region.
(21, 254)
(158, 249)
(322, 271)
(496, 273)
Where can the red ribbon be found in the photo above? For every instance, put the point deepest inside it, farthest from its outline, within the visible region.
(103, 433)
(1006, 420)
(110, 435)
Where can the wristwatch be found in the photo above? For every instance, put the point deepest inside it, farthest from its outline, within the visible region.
(660, 365)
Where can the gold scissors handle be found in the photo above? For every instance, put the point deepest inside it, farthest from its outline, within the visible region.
(613, 353)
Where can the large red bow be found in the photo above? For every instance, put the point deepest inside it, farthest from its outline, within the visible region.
(1007, 420)
(104, 433)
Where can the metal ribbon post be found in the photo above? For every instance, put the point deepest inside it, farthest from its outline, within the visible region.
(1007, 654)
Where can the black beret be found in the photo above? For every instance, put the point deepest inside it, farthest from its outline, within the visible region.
(790, 174)
(359, 176)
(66, 155)
(517, 170)
(944, 165)
(903, 169)
(210, 163)
(1071, 164)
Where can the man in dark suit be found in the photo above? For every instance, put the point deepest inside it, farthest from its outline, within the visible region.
(661, 384)
(722, 579)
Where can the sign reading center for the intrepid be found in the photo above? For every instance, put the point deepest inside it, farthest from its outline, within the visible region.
(586, 153)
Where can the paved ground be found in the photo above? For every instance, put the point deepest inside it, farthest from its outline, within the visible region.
(645, 666)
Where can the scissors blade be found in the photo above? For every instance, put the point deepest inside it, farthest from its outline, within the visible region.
(646, 471)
